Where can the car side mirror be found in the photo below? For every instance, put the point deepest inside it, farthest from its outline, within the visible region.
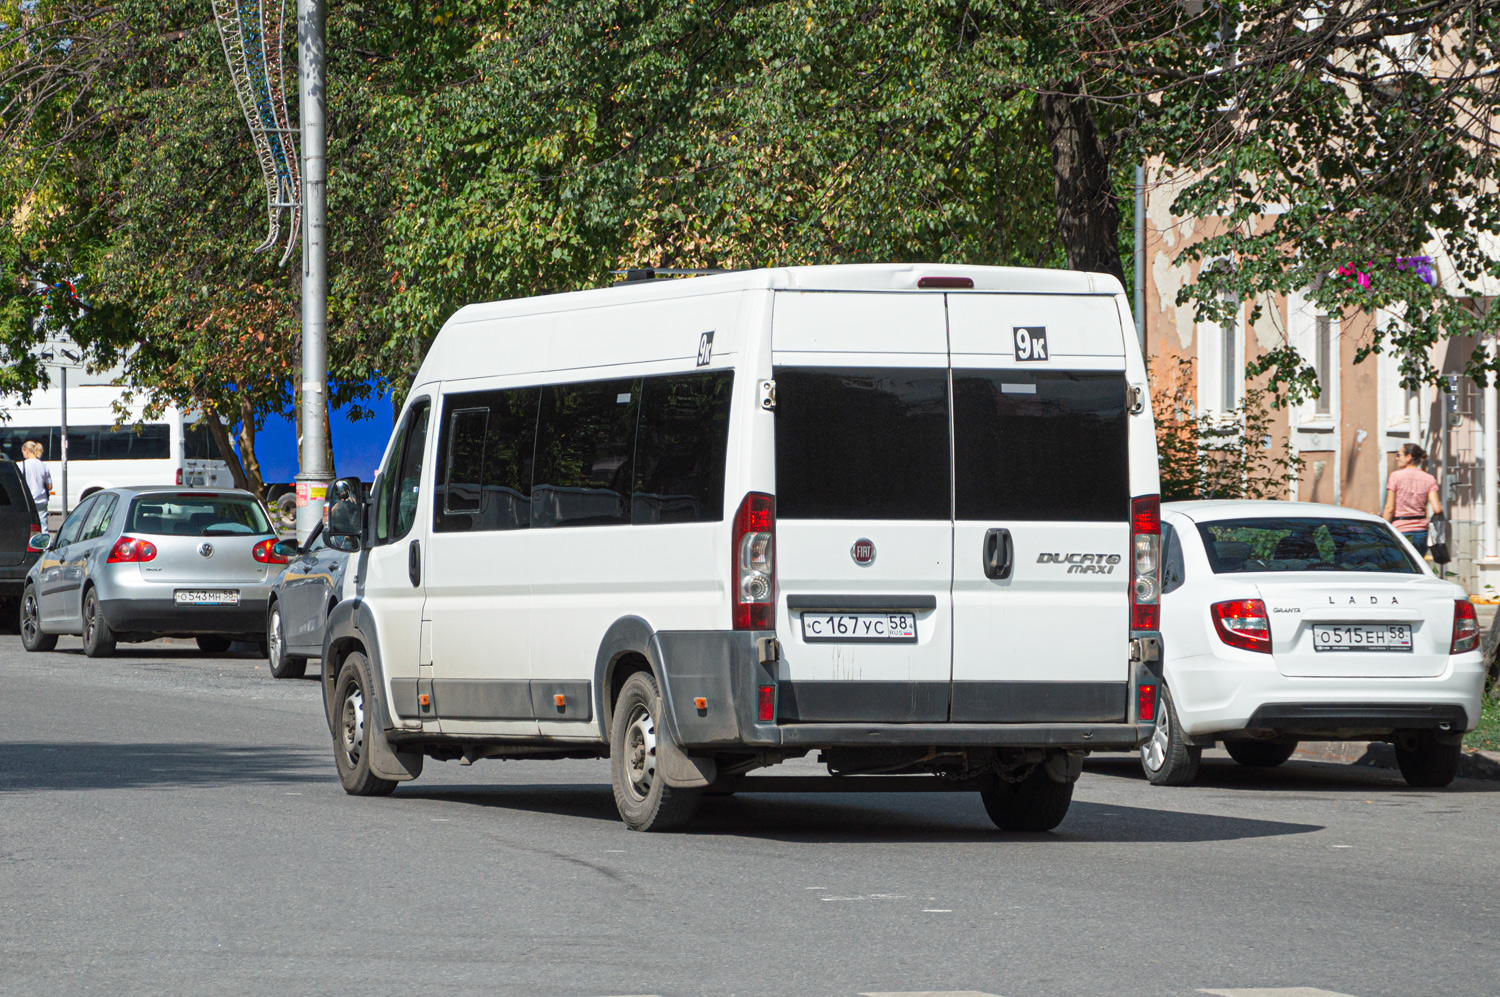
(39, 541)
(286, 548)
(346, 513)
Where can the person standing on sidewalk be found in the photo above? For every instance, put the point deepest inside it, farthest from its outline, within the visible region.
(1409, 493)
(38, 479)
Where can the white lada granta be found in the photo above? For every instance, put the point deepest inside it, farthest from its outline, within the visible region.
(1290, 621)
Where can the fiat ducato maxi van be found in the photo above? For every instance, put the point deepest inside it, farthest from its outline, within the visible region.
(904, 517)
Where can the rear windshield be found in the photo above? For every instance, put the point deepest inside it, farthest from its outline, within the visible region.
(1240, 545)
(197, 515)
(894, 443)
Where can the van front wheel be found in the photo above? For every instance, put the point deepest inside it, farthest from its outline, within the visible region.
(645, 801)
(353, 731)
(1036, 803)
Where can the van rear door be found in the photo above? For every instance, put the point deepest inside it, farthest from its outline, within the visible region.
(863, 506)
(1042, 509)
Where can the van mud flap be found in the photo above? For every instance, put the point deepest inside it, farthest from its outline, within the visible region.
(679, 769)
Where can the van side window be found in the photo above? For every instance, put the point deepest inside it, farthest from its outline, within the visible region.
(1042, 446)
(585, 441)
(396, 508)
(485, 449)
(862, 444)
(680, 448)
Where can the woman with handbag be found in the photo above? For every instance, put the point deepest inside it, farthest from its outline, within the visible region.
(1410, 492)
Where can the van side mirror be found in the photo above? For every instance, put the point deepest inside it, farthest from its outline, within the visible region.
(346, 513)
(39, 541)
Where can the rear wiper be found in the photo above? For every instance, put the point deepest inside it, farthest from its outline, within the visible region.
(224, 531)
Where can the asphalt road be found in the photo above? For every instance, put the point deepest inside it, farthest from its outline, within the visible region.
(172, 824)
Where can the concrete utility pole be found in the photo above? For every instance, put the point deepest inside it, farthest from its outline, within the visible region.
(312, 459)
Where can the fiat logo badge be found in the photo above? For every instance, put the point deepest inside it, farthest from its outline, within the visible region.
(863, 551)
(206, 549)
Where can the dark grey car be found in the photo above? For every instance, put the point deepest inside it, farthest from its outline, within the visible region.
(18, 523)
(300, 601)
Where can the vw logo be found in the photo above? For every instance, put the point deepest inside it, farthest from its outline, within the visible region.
(206, 549)
(863, 551)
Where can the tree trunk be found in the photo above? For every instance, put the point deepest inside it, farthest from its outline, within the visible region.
(225, 444)
(1088, 214)
(247, 449)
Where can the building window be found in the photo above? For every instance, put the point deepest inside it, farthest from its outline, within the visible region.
(1323, 363)
(1221, 367)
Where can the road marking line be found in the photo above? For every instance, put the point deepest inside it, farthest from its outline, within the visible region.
(928, 993)
(1275, 992)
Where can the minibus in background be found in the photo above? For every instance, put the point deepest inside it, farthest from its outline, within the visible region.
(105, 450)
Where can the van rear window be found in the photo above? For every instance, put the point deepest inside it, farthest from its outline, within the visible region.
(1049, 445)
(862, 444)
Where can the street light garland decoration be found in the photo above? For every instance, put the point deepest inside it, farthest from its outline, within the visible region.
(253, 50)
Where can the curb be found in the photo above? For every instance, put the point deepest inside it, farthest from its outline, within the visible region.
(1378, 754)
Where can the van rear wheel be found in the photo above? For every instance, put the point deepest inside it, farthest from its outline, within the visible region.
(645, 801)
(1036, 803)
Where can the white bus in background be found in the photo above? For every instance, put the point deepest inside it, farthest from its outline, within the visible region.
(103, 450)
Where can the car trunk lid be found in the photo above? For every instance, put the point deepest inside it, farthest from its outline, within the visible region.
(1356, 627)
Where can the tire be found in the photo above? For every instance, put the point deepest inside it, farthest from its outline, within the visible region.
(98, 638)
(1428, 764)
(645, 801)
(1259, 754)
(1167, 759)
(1036, 803)
(213, 644)
(283, 665)
(286, 508)
(32, 637)
(352, 731)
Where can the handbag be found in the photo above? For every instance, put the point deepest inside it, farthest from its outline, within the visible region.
(1437, 538)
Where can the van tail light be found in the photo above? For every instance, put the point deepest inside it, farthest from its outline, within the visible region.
(129, 549)
(1145, 564)
(1465, 627)
(179, 476)
(765, 704)
(1145, 704)
(1243, 623)
(263, 553)
(754, 560)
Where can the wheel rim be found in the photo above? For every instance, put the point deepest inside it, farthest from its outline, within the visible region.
(1154, 752)
(89, 612)
(640, 751)
(30, 625)
(354, 726)
(273, 644)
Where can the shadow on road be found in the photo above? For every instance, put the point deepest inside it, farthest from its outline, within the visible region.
(874, 818)
(1297, 775)
(30, 766)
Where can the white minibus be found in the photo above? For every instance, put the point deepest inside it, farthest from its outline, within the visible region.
(904, 517)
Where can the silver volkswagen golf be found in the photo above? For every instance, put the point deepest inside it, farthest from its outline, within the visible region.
(134, 564)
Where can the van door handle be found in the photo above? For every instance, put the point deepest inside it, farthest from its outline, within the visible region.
(999, 553)
(414, 563)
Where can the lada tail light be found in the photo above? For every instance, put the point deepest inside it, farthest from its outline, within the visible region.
(754, 554)
(1243, 623)
(263, 553)
(1145, 547)
(129, 549)
(1465, 627)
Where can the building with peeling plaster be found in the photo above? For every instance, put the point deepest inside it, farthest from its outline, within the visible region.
(1348, 437)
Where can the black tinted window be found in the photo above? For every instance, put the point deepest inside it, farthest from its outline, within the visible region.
(198, 443)
(1040, 446)
(862, 444)
(147, 442)
(401, 482)
(679, 450)
(1173, 564)
(485, 452)
(585, 440)
(1241, 545)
